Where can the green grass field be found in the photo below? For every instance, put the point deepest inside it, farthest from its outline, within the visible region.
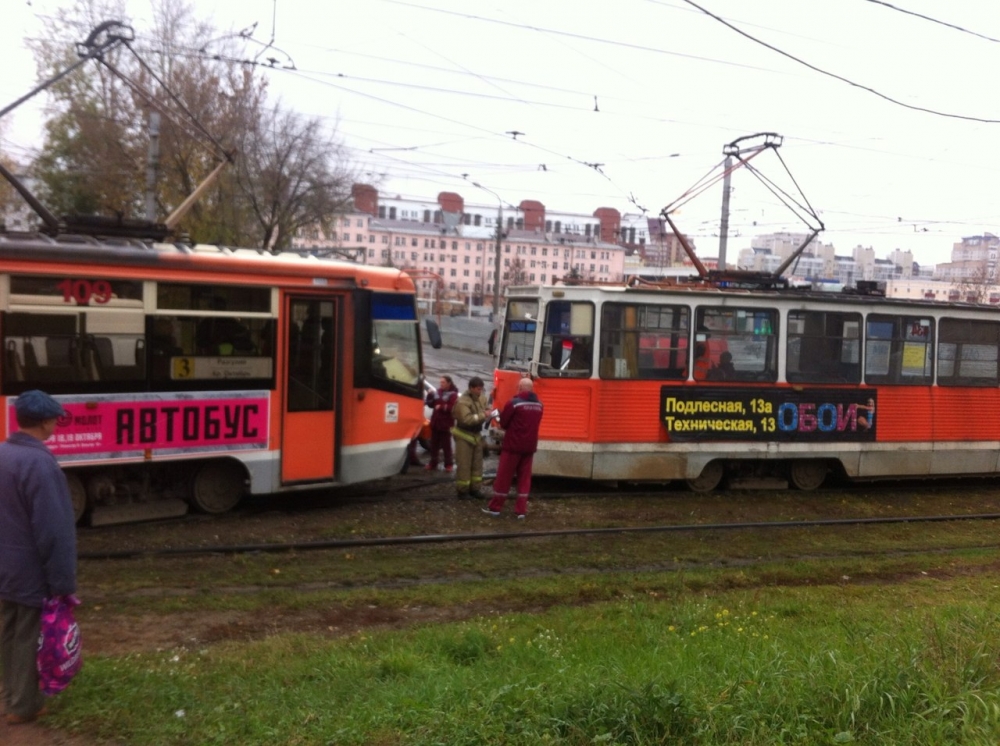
(629, 658)
(886, 634)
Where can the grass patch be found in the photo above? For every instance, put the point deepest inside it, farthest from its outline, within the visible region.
(913, 663)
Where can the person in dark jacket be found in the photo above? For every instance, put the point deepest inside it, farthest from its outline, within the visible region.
(37, 548)
(442, 402)
(519, 420)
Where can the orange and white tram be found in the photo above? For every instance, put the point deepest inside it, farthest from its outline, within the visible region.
(702, 382)
(194, 374)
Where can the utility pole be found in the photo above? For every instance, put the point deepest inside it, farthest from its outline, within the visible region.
(152, 165)
(724, 222)
(496, 266)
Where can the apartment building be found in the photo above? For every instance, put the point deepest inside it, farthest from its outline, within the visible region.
(973, 259)
(451, 245)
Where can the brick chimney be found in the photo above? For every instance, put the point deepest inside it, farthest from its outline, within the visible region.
(451, 202)
(534, 215)
(611, 223)
(365, 199)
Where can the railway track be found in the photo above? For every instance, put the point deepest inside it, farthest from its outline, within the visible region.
(704, 516)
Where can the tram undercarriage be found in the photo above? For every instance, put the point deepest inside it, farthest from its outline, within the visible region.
(104, 495)
(763, 466)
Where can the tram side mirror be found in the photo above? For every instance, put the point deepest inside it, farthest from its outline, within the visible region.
(433, 333)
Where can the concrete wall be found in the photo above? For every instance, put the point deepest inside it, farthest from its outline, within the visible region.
(460, 332)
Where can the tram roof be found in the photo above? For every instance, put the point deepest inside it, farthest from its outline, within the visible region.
(147, 254)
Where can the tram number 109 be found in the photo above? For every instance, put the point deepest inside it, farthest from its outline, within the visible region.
(84, 291)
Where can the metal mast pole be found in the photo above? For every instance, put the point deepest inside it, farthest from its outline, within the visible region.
(724, 222)
(152, 165)
(496, 266)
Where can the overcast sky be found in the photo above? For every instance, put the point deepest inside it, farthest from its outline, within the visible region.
(628, 104)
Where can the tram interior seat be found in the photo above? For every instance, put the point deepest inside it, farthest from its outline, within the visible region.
(62, 360)
(13, 365)
(99, 353)
(30, 360)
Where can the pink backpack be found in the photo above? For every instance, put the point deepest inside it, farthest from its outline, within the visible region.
(59, 653)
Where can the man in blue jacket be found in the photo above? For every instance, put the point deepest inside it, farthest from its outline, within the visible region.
(519, 420)
(37, 548)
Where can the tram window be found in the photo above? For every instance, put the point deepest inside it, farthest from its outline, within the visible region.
(70, 352)
(210, 348)
(568, 340)
(79, 291)
(968, 352)
(823, 347)
(311, 352)
(644, 341)
(395, 349)
(230, 298)
(899, 349)
(520, 326)
(748, 335)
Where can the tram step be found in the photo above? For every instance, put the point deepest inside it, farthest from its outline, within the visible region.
(757, 483)
(132, 512)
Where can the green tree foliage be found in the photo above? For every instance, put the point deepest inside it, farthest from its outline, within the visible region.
(286, 170)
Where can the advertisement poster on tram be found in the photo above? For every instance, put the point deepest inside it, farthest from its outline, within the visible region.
(129, 425)
(801, 415)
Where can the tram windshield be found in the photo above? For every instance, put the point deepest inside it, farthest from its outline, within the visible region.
(519, 327)
(395, 346)
(568, 340)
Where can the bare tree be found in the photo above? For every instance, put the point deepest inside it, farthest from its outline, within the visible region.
(289, 176)
(516, 273)
(977, 282)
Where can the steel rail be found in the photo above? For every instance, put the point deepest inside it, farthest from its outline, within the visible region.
(495, 536)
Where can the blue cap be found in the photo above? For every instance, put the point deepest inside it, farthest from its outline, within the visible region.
(37, 405)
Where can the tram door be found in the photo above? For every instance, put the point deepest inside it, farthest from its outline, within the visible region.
(309, 435)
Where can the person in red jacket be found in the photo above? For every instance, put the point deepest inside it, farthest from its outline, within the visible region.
(442, 421)
(520, 420)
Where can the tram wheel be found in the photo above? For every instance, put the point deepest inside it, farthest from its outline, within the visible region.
(77, 494)
(808, 474)
(709, 478)
(218, 486)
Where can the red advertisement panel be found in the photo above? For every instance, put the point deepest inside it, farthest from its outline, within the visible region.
(120, 425)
